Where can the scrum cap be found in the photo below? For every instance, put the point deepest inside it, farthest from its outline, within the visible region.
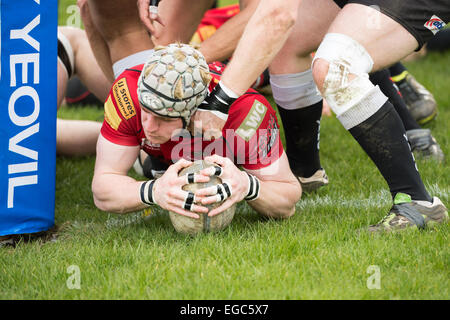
(174, 82)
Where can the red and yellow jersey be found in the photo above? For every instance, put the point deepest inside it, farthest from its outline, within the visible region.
(213, 20)
(250, 135)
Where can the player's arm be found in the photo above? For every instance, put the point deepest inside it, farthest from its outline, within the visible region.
(114, 191)
(264, 35)
(221, 44)
(148, 13)
(279, 189)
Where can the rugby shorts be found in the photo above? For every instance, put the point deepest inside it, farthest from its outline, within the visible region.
(422, 18)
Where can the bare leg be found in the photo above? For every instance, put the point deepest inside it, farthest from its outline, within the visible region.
(77, 137)
(299, 104)
(62, 83)
(86, 66)
(386, 44)
(353, 47)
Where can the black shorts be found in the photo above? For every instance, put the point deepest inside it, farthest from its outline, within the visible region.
(422, 18)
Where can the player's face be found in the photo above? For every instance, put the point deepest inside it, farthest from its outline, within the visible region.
(159, 129)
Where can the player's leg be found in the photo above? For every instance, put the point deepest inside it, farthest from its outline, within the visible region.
(347, 54)
(66, 65)
(63, 78)
(78, 95)
(422, 142)
(418, 99)
(86, 66)
(294, 91)
(74, 137)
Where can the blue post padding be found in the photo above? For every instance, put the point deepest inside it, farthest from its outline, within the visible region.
(28, 89)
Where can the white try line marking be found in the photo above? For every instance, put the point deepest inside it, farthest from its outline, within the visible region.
(373, 200)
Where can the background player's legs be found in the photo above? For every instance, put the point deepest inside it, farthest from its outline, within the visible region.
(86, 66)
(78, 137)
(421, 140)
(362, 108)
(294, 91)
(387, 42)
(63, 78)
(419, 100)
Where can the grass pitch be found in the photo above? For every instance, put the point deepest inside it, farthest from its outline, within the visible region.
(317, 254)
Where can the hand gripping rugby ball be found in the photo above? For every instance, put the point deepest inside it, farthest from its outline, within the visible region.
(205, 223)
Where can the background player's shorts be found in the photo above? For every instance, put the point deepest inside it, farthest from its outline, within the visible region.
(422, 18)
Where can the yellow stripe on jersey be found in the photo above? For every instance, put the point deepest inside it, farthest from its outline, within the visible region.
(111, 116)
(123, 99)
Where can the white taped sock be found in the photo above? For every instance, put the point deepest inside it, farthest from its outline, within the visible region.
(294, 91)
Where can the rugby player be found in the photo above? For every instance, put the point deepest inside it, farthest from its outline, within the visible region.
(363, 36)
(141, 115)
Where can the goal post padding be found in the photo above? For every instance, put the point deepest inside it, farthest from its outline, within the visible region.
(28, 91)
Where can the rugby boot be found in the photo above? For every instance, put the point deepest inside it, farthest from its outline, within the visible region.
(424, 145)
(317, 180)
(407, 214)
(418, 99)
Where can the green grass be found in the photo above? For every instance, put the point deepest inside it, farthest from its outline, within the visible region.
(317, 254)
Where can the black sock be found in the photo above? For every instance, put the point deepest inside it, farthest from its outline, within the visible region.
(397, 69)
(301, 129)
(440, 42)
(383, 138)
(383, 79)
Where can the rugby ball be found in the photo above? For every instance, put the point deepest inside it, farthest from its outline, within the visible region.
(205, 223)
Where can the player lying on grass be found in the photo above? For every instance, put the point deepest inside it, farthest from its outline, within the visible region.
(150, 107)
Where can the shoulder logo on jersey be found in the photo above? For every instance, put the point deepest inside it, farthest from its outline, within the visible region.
(435, 24)
(111, 116)
(252, 121)
(123, 99)
(267, 137)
